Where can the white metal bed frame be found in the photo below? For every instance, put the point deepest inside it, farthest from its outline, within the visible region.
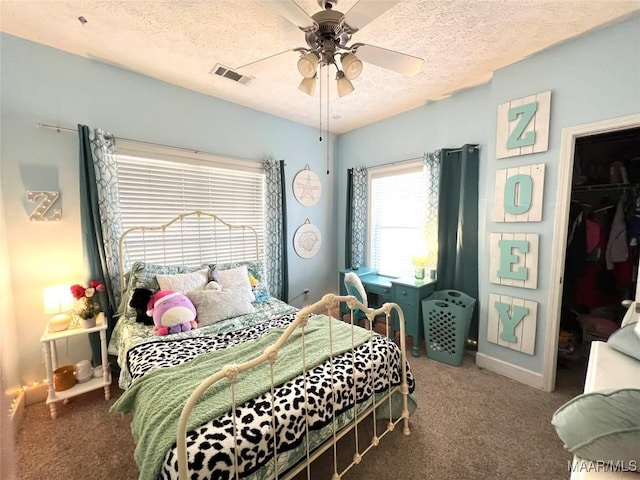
(175, 226)
(230, 372)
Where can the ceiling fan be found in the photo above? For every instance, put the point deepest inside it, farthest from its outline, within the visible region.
(327, 34)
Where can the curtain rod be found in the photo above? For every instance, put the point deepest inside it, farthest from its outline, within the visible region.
(456, 150)
(56, 128)
(408, 160)
(471, 147)
(399, 162)
(111, 137)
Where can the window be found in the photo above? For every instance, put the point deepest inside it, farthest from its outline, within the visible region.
(156, 184)
(398, 227)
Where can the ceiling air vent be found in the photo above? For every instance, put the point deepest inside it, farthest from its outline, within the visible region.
(226, 72)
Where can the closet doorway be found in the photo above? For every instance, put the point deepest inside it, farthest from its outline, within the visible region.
(597, 248)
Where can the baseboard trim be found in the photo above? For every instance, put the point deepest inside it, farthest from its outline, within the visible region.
(36, 394)
(17, 412)
(514, 372)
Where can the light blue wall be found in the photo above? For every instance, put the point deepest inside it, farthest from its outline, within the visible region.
(44, 85)
(592, 78)
(449, 123)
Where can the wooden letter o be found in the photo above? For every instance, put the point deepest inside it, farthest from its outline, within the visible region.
(518, 188)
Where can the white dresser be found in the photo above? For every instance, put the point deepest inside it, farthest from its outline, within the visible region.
(607, 369)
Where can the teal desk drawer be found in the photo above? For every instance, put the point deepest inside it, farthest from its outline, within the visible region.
(406, 295)
(377, 289)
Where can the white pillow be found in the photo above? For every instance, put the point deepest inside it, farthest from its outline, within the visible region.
(236, 277)
(184, 282)
(216, 305)
(630, 316)
(602, 425)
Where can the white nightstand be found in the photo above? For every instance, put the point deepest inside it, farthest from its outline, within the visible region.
(48, 341)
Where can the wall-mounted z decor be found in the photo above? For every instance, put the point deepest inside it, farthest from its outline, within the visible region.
(45, 201)
(523, 126)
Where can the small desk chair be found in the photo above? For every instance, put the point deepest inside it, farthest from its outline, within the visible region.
(354, 287)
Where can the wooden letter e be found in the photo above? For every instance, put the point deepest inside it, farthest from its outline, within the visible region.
(508, 258)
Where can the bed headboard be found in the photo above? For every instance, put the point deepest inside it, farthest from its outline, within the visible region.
(192, 239)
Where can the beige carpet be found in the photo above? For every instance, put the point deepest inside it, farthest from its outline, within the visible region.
(470, 424)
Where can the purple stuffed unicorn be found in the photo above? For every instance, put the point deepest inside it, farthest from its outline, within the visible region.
(172, 312)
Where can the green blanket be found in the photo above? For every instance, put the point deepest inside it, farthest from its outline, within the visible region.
(157, 398)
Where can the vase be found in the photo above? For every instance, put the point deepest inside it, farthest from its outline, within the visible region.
(63, 378)
(88, 322)
(419, 273)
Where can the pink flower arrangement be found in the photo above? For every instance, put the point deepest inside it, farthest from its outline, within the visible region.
(88, 307)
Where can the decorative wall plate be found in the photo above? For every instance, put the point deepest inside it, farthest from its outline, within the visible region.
(307, 187)
(307, 240)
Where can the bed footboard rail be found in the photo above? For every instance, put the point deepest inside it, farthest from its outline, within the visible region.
(329, 303)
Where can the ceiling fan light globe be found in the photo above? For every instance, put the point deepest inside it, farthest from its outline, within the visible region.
(345, 87)
(307, 65)
(308, 86)
(351, 65)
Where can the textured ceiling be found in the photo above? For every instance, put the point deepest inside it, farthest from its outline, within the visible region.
(179, 42)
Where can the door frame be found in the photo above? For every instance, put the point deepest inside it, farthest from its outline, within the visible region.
(558, 253)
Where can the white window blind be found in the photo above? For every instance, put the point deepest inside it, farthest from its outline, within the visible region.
(156, 184)
(396, 217)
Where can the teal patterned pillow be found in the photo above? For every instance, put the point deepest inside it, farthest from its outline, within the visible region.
(143, 275)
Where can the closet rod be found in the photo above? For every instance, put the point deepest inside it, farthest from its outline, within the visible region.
(628, 135)
(611, 186)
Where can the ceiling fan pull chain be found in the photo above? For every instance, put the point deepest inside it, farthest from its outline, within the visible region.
(328, 140)
(327, 113)
(320, 109)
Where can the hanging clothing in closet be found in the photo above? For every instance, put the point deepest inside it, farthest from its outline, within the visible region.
(604, 232)
(617, 250)
(590, 283)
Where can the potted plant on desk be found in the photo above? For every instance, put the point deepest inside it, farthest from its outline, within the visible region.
(419, 265)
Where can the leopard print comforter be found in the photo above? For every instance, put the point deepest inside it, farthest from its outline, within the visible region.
(274, 420)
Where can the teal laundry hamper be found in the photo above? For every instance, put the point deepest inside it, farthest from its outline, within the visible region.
(447, 317)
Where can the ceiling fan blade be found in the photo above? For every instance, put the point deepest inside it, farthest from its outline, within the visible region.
(398, 62)
(294, 13)
(365, 11)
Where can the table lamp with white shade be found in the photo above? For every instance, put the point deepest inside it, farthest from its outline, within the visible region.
(59, 302)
